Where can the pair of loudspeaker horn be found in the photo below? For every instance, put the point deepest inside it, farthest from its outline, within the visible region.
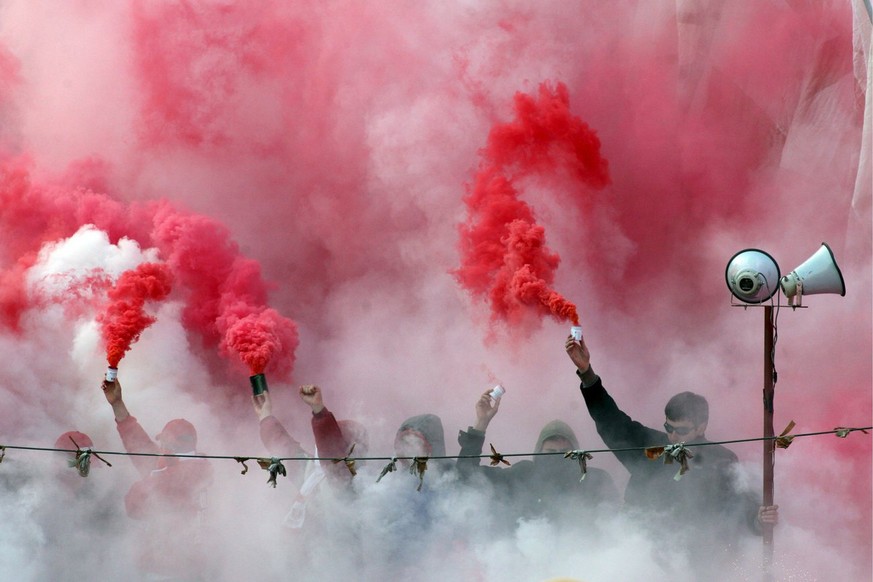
(753, 276)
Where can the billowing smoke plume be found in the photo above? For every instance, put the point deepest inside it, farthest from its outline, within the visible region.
(125, 317)
(224, 292)
(305, 173)
(504, 254)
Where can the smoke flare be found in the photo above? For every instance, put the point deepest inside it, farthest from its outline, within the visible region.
(125, 318)
(504, 256)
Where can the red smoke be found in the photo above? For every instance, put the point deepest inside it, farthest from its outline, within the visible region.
(32, 214)
(225, 295)
(504, 256)
(332, 143)
(257, 335)
(125, 318)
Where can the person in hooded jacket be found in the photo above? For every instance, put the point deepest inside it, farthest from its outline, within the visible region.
(333, 438)
(705, 506)
(79, 508)
(420, 436)
(169, 499)
(550, 485)
(404, 506)
(72, 478)
(325, 492)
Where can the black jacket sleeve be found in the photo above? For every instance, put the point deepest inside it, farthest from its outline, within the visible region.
(617, 429)
(471, 442)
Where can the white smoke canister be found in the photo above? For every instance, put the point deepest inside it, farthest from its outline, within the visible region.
(576, 332)
(497, 392)
(111, 374)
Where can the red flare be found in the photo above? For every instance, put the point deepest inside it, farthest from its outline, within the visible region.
(504, 256)
(125, 318)
(228, 296)
(258, 336)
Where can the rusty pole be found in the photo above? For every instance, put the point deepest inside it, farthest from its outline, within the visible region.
(769, 443)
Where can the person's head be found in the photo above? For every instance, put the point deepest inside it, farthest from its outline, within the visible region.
(556, 437)
(178, 436)
(72, 439)
(420, 436)
(686, 415)
(554, 472)
(67, 474)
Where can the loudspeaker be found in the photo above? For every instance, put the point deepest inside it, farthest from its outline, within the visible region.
(752, 276)
(818, 274)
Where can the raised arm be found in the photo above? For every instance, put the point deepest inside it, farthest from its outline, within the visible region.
(112, 392)
(274, 436)
(133, 436)
(617, 429)
(329, 438)
(473, 439)
(578, 352)
(486, 410)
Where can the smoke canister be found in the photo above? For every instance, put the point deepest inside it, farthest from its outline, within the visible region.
(259, 384)
(497, 392)
(576, 332)
(111, 374)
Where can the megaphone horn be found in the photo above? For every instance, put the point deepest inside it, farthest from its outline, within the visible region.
(818, 274)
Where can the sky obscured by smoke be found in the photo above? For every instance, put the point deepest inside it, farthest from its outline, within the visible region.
(318, 156)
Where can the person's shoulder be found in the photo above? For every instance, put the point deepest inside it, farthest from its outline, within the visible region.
(524, 467)
(597, 473)
(719, 454)
(597, 479)
(471, 433)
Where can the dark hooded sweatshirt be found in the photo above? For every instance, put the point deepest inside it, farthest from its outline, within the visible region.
(549, 486)
(705, 496)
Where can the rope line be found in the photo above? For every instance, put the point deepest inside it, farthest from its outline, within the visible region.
(841, 432)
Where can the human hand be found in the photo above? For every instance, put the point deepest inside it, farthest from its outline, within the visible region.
(578, 352)
(263, 405)
(112, 391)
(486, 408)
(768, 514)
(311, 395)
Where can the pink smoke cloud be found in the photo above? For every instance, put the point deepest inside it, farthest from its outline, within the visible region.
(328, 149)
(222, 287)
